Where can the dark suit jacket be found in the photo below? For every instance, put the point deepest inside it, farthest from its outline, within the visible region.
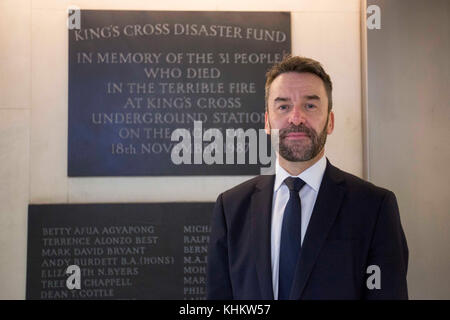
(354, 224)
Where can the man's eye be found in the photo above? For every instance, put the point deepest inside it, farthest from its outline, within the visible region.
(310, 106)
(283, 107)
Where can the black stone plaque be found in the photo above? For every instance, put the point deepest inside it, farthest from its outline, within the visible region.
(123, 251)
(137, 76)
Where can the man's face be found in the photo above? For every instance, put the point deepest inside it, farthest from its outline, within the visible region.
(298, 107)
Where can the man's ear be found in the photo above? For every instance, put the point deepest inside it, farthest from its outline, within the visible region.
(266, 123)
(330, 126)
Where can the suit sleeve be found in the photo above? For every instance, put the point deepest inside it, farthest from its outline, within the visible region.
(388, 251)
(218, 275)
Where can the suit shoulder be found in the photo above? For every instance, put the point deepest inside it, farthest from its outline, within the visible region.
(244, 187)
(361, 186)
(235, 202)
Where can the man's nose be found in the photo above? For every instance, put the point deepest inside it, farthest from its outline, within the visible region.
(297, 116)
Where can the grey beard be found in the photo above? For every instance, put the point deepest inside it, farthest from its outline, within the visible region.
(304, 151)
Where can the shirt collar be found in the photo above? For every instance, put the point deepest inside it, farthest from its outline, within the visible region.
(312, 176)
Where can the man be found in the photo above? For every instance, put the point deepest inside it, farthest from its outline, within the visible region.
(311, 231)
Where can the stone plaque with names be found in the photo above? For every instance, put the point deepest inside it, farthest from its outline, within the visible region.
(135, 77)
(122, 251)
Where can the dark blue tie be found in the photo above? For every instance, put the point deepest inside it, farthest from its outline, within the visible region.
(291, 237)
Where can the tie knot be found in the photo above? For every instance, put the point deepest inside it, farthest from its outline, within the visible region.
(294, 184)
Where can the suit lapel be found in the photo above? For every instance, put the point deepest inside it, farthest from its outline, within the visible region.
(324, 214)
(261, 211)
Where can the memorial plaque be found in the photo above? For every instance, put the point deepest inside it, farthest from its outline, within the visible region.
(135, 77)
(122, 251)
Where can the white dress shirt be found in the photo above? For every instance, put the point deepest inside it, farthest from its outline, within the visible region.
(308, 195)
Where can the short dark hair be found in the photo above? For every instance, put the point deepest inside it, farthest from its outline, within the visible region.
(300, 65)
